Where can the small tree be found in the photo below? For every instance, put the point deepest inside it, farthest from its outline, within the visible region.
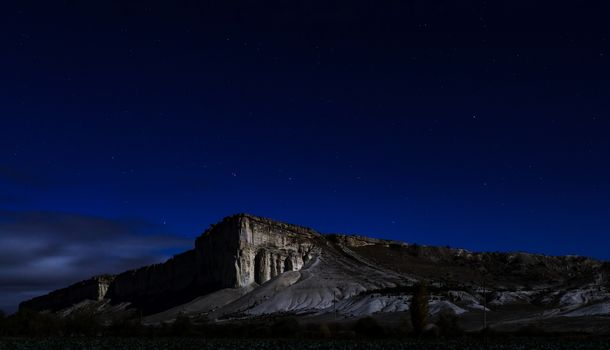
(419, 308)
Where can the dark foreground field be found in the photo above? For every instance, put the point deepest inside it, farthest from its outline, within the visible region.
(258, 344)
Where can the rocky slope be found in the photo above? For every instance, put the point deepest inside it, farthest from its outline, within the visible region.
(247, 266)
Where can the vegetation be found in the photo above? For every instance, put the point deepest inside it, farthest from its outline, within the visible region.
(37, 328)
(182, 326)
(369, 327)
(266, 344)
(286, 328)
(448, 325)
(419, 308)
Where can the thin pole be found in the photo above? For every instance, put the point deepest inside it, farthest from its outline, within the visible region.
(484, 304)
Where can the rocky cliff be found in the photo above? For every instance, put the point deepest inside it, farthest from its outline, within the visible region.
(247, 266)
(239, 251)
(245, 249)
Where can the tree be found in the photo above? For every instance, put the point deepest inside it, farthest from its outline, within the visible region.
(419, 308)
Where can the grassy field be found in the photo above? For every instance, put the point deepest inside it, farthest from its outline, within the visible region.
(292, 344)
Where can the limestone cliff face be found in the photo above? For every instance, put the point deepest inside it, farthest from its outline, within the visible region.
(246, 249)
(237, 252)
(268, 249)
(94, 288)
(152, 284)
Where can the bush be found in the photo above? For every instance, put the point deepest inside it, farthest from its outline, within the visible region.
(396, 246)
(123, 326)
(487, 332)
(318, 331)
(182, 326)
(82, 323)
(286, 328)
(448, 325)
(419, 308)
(415, 249)
(431, 331)
(369, 327)
(324, 331)
(258, 330)
(530, 330)
(30, 323)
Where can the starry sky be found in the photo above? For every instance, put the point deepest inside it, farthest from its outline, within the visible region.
(127, 127)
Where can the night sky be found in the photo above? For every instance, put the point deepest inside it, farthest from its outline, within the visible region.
(128, 127)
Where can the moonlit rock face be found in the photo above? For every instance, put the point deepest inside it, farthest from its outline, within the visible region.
(244, 249)
(592, 310)
(437, 307)
(578, 297)
(369, 304)
(461, 296)
(512, 297)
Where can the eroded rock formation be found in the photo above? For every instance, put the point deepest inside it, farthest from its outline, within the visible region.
(237, 252)
(247, 266)
(95, 288)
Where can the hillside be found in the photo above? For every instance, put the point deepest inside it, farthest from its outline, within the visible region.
(246, 267)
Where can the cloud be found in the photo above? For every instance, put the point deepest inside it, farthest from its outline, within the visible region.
(43, 251)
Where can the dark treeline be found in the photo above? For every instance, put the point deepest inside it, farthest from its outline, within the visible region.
(86, 323)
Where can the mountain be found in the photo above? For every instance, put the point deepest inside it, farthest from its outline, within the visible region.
(246, 267)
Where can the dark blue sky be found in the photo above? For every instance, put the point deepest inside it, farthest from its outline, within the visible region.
(471, 125)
